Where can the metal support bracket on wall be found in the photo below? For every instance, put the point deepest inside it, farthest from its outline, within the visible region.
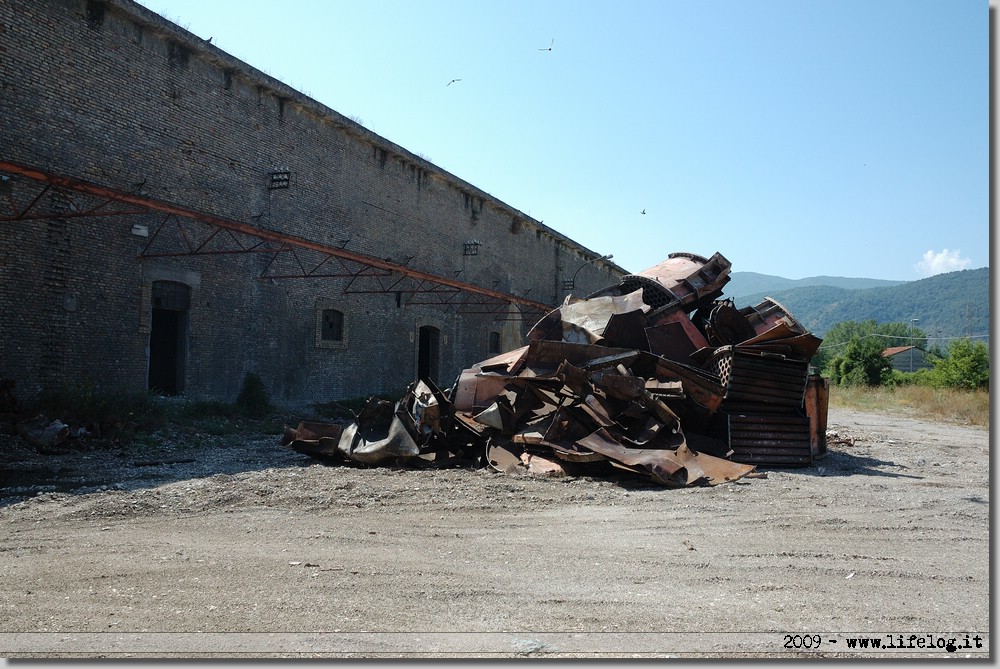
(33, 194)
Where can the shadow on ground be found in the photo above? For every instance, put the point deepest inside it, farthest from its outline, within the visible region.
(26, 473)
(843, 463)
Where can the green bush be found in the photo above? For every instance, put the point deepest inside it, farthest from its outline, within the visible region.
(253, 399)
(127, 416)
(861, 364)
(919, 377)
(85, 402)
(966, 366)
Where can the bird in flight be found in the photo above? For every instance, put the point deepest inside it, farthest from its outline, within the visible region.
(643, 211)
(452, 81)
(550, 45)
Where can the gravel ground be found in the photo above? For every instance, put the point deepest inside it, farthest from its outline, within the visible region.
(237, 547)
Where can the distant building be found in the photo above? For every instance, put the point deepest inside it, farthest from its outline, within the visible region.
(908, 358)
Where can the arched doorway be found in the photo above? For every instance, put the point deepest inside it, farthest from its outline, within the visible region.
(429, 353)
(168, 337)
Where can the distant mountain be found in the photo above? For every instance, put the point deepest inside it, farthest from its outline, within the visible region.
(955, 304)
(752, 283)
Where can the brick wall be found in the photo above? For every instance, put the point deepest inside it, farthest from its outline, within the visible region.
(111, 93)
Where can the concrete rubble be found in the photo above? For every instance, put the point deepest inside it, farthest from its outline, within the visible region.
(658, 375)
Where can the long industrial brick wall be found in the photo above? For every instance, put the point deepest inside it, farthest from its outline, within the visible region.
(112, 94)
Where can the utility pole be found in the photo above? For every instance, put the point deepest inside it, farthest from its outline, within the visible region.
(913, 338)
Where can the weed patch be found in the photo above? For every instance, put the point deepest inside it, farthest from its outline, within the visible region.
(967, 407)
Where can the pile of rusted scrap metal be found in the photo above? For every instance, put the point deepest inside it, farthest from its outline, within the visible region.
(656, 375)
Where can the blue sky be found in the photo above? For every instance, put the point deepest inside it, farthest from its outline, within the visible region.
(795, 137)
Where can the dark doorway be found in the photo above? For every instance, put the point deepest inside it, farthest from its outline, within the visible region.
(429, 353)
(168, 337)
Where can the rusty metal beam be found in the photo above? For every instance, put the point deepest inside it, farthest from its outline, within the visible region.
(261, 233)
(30, 211)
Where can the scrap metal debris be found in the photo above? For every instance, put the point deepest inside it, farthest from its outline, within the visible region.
(657, 376)
(43, 433)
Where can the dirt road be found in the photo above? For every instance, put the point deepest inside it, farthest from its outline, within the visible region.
(240, 548)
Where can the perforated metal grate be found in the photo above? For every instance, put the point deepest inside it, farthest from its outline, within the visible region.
(721, 364)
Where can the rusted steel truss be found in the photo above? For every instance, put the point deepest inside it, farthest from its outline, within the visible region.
(180, 232)
(57, 202)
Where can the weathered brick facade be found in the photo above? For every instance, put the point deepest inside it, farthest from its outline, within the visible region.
(112, 94)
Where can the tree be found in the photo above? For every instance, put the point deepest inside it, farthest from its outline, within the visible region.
(861, 364)
(842, 334)
(901, 334)
(832, 349)
(967, 365)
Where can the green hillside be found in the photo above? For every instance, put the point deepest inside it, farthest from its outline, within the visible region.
(751, 283)
(955, 304)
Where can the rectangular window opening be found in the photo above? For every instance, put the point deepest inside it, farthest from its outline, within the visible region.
(332, 325)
